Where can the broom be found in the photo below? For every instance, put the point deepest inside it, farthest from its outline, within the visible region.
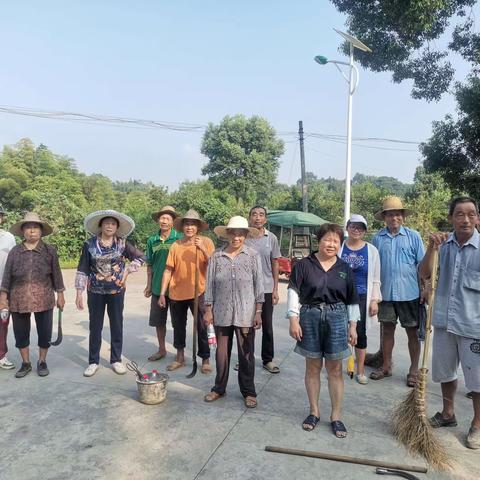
(410, 423)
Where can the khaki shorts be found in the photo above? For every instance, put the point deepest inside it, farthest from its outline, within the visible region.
(450, 350)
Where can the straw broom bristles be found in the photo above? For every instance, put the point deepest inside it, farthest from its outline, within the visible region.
(410, 423)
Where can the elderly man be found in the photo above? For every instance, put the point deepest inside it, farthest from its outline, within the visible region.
(7, 242)
(401, 250)
(456, 315)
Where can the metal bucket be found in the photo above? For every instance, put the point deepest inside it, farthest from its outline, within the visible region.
(153, 391)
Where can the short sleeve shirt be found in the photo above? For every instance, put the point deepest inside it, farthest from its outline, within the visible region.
(181, 260)
(314, 285)
(267, 247)
(157, 253)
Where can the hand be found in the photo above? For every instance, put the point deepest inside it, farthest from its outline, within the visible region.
(123, 281)
(373, 308)
(257, 321)
(147, 292)
(295, 329)
(436, 239)
(275, 297)
(198, 242)
(60, 301)
(425, 292)
(208, 316)
(79, 300)
(162, 301)
(352, 334)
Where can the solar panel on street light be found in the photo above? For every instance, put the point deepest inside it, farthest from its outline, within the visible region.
(354, 41)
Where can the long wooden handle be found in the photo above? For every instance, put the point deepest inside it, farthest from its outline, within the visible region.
(345, 459)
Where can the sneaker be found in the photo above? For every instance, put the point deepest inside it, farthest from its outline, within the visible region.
(25, 369)
(361, 379)
(42, 369)
(91, 370)
(6, 364)
(119, 368)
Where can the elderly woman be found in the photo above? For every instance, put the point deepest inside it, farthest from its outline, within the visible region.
(32, 276)
(324, 286)
(233, 299)
(364, 260)
(103, 271)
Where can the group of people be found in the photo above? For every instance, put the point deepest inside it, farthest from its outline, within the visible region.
(333, 296)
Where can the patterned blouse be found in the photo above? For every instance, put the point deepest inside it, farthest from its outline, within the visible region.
(234, 286)
(31, 277)
(101, 267)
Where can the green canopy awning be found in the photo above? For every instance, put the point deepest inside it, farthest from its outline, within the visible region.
(288, 219)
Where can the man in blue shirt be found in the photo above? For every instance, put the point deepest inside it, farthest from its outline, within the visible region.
(401, 250)
(456, 316)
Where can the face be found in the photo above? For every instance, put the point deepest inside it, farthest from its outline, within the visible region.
(257, 218)
(394, 219)
(32, 231)
(236, 237)
(109, 227)
(356, 230)
(190, 228)
(329, 244)
(464, 218)
(165, 222)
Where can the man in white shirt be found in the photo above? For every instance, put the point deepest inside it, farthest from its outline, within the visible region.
(7, 242)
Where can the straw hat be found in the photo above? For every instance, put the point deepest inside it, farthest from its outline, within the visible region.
(166, 209)
(125, 223)
(31, 217)
(392, 203)
(236, 222)
(190, 215)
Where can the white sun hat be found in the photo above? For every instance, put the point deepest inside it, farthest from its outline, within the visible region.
(92, 221)
(356, 218)
(237, 223)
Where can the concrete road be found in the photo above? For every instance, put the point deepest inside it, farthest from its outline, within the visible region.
(66, 426)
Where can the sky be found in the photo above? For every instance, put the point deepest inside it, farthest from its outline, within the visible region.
(195, 62)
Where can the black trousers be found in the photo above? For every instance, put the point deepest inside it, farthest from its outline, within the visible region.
(21, 328)
(178, 311)
(96, 309)
(246, 359)
(267, 329)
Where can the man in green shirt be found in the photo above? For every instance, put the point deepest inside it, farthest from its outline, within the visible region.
(158, 246)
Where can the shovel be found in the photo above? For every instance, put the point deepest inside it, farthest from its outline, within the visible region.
(195, 318)
(59, 339)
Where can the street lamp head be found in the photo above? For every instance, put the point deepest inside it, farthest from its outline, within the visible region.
(321, 59)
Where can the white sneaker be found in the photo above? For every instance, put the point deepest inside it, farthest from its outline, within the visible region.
(91, 370)
(361, 379)
(6, 364)
(119, 368)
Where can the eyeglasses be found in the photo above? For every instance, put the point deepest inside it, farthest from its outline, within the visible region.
(357, 227)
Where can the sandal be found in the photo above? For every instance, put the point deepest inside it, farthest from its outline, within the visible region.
(338, 429)
(212, 396)
(271, 367)
(250, 402)
(438, 421)
(174, 365)
(310, 423)
(380, 374)
(156, 356)
(412, 380)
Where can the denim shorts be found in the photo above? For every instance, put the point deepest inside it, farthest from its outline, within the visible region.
(324, 332)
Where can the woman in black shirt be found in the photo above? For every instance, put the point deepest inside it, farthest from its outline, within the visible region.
(326, 323)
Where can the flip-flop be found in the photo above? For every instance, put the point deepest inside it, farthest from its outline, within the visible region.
(174, 365)
(411, 380)
(212, 396)
(380, 374)
(311, 421)
(271, 367)
(338, 427)
(156, 356)
(250, 402)
(438, 421)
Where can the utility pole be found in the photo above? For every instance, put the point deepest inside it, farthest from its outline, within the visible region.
(302, 168)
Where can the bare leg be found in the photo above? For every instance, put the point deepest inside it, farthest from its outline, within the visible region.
(180, 357)
(448, 393)
(360, 356)
(476, 410)
(388, 344)
(42, 355)
(335, 387)
(25, 353)
(413, 349)
(313, 367)
(161, 334)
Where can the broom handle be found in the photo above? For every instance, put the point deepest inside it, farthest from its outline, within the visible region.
(431, 300)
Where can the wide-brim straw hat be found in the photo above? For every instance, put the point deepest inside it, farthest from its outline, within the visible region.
(392, 203)
(126, 224)
(190, 215)
(31, 217)
(237, 223)
(166, 209)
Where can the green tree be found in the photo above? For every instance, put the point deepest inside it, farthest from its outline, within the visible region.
(243, 157)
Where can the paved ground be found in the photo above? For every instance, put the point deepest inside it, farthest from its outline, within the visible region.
(66, 426)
